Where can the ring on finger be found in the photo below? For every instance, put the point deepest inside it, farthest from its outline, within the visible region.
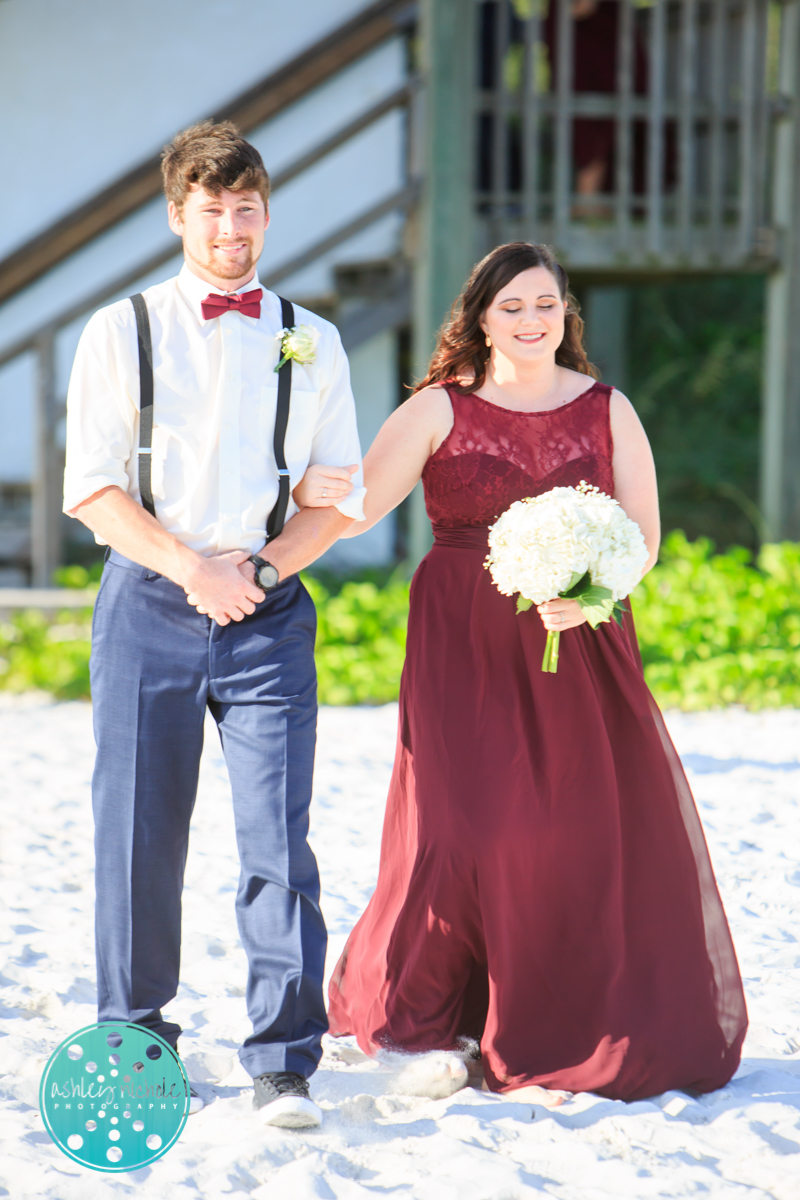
(324, 493)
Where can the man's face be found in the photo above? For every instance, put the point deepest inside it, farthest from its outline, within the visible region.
(223, 235)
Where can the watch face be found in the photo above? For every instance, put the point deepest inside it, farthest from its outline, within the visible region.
(267, 575)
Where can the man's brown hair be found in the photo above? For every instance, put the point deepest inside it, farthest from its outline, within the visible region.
(215, 157)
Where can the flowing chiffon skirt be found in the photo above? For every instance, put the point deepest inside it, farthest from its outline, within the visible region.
(544, 884)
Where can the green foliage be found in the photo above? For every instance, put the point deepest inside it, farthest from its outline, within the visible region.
(78, 577)
(361, 640)
(716, 629)
(695, 380)
(52, 656)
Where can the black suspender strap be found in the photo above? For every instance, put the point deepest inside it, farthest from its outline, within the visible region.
(145, 402)
(278, 515)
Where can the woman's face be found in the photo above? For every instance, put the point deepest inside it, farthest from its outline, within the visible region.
(525, 320)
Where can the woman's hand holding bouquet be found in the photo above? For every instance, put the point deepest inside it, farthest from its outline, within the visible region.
(576, 543)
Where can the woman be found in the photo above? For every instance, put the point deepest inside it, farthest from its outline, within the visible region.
(544, 883)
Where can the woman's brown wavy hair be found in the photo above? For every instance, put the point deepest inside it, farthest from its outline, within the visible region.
(461, 349)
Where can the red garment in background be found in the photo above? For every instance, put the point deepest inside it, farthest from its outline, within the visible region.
(544, 882)
(595, 70)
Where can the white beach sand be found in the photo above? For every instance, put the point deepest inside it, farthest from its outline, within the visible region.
(741, 1142)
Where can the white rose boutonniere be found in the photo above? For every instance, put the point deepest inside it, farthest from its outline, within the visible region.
(299, 343)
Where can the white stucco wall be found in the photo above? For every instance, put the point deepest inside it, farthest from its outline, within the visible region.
(91, 88)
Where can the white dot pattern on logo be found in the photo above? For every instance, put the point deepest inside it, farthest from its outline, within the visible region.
(146, 1100)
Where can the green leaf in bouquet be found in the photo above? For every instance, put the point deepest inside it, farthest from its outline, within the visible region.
(523, 604)
(597, 603)
(619, 613)
(578, 586)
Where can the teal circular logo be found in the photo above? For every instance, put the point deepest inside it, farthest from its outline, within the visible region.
(114, 1097)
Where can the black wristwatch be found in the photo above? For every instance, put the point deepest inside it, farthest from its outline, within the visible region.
(267, 576)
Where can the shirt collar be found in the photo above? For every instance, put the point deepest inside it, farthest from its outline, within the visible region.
(194, 290)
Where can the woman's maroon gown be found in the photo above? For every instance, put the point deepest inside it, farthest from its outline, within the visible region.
(544, 881)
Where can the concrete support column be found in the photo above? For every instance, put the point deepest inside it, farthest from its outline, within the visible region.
(48, 478)
(780, 439)
(446, 221)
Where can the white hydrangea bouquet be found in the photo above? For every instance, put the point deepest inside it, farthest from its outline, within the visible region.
(571, 542)
(298, 343)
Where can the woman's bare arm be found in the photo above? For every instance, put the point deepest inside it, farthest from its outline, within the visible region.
(635, 473)
(393, 463)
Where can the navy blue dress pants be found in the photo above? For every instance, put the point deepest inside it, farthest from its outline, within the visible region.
(156, 665)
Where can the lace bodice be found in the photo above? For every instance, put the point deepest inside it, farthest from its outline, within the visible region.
(493, 456)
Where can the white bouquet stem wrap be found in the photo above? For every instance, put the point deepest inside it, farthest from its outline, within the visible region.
(571, 542)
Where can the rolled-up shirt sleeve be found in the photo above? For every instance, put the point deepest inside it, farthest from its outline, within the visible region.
(101, 415)
(336, 442)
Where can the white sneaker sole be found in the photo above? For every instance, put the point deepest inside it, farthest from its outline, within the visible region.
(292, 1112)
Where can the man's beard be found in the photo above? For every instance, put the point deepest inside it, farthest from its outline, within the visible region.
(223, 267)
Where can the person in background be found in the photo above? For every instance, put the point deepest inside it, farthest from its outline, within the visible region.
(595, 70)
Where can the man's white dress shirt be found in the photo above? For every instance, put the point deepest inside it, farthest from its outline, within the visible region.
(214, 476)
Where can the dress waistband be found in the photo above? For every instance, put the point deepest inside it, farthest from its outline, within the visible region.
(466, 537)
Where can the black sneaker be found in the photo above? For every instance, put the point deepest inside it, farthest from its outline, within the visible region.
(282, 1098)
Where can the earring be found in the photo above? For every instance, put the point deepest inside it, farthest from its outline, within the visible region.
(488, 340)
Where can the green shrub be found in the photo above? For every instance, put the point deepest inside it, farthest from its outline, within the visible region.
(361, 640)
(78, 577)
(49, 655)
(714, 629)
(695, 350)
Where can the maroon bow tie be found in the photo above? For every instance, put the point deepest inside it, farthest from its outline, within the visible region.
(248, 303)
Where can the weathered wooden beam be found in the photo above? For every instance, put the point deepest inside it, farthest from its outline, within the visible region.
(655, 126)
(562, 181)
(747, 123)
(276, 92)
(624, 127)
(447, 226)
(780, 441)
(531, 130)
(48, 471)
(500, 148)
(446, 222)
(716, 197)
(686, 124)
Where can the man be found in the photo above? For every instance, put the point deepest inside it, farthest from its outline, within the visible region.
(182, 621)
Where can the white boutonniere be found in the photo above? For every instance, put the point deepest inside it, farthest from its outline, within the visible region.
(299, 343)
